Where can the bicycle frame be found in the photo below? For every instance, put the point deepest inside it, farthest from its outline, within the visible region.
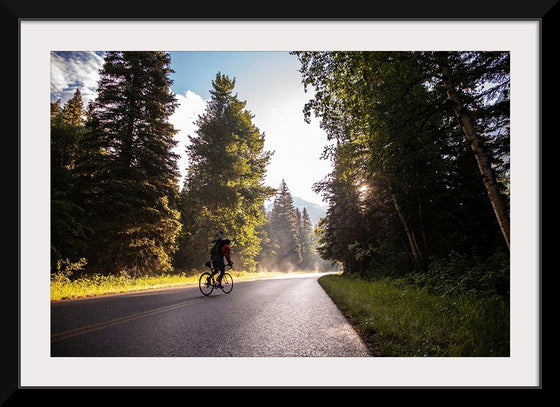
(207, 281)
(215, 270)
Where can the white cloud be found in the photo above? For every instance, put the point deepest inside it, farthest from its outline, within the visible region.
(70, 70)
(190, 106)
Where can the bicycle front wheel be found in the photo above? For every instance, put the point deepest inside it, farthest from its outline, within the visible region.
(227, 283)
(205, 284)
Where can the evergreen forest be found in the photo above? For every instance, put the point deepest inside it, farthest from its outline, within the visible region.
(419, 184)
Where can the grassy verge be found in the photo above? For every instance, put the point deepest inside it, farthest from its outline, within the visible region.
(63, 287)
(397, 319)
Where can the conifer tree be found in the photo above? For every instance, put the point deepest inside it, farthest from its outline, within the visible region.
(224, 188)
(309, 242)
(68, 230)
(128, 170)
(283, 230)
(343, 229)
(306, 240)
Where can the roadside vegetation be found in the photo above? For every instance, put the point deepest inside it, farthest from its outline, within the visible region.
(397, 318)
(69, 283)
(63, 287)
(418, 196)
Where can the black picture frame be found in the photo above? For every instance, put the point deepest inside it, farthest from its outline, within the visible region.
(14, 11)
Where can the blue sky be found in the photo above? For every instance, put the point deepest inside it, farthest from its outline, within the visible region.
(195, 70)
(268, 81)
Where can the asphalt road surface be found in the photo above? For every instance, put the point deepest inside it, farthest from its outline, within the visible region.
(279, 317)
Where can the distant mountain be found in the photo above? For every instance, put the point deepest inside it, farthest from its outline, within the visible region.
(314, 210)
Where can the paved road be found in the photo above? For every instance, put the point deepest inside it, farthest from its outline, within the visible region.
(269, 318)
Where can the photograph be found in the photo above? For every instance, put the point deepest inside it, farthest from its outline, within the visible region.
(411, 220)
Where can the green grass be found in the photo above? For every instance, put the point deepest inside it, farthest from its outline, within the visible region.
(398, 319)
(62, 287)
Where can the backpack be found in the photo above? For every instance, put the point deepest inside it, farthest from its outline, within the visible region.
(216, 250)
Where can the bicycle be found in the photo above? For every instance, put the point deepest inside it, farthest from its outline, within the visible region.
(207, 284)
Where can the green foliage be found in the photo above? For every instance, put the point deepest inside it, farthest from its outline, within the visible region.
(405, 195)
(405, 189)
(310, 258)
(127, 170)
(68, 226)
(224, 189)
(66, 270)
(460, 274)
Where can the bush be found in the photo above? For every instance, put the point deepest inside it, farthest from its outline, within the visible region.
(65, 269)
(462, 274)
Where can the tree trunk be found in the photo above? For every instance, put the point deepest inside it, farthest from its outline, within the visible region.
(421, 222)
(481, 158)
(414, 248)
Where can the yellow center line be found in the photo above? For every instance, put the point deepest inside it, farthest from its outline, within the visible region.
(118, 321)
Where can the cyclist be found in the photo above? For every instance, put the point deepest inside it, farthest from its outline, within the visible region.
(218, 259)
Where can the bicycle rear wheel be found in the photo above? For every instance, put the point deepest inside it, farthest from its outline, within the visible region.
(227, 283)
(204, 284)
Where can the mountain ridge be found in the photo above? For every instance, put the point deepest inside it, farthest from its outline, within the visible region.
(315, 211)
